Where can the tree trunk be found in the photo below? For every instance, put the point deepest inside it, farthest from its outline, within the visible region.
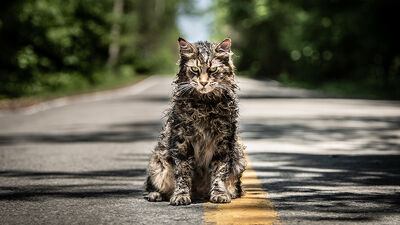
(114, 48)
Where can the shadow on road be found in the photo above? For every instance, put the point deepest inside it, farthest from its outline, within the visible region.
(357, 187)
(116, 133)
(72, 175)
(331, 176)
(89, 186)
(43, 192)
(32, 185)
(359, 133)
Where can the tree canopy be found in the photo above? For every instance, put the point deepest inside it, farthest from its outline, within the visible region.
(317, 43)
(49, 44)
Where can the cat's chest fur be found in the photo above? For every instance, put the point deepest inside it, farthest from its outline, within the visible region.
(203, 144)
(204, 138)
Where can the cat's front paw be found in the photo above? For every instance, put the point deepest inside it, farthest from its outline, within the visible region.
(220, 198)
(154, 197)
(181, 199)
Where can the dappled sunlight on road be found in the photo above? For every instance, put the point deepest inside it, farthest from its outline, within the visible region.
(326, 165)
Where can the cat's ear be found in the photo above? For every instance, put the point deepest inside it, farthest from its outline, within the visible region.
(185, 47)
(224, 46)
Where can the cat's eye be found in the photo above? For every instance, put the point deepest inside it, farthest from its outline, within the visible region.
(194, 69)
(212, 69)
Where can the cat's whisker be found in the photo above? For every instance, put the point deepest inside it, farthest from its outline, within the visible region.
(223, 87)
(183, 89)
(182, 83)
(183, 86)
(226, 88)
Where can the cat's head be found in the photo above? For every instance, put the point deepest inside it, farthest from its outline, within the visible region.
(205, 67)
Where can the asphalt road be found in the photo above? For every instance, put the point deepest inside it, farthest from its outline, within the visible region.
(82, 161)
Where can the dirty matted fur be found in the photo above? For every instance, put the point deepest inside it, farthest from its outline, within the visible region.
(198, 154)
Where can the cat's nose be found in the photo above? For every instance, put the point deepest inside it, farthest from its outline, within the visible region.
(204, 83)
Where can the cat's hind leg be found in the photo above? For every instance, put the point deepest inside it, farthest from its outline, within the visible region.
(160, 180)
(233, 183)
(234, 186)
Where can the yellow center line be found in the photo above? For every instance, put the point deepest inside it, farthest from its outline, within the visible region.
(252, 208)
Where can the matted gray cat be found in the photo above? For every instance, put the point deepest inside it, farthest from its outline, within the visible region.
(198, 154)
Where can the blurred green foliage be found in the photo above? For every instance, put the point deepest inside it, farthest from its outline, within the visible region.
(339, 46)
(56, 45)
(345, 47)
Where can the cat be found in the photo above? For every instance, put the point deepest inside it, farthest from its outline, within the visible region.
(199, 155)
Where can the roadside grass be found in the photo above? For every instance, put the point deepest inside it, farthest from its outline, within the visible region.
(67, 85)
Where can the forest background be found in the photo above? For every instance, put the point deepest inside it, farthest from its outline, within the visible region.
(55, 48)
